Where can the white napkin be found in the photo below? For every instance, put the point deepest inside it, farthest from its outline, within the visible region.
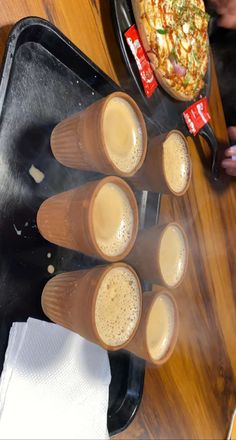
(54, 385)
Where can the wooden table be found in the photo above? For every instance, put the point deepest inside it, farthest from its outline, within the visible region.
(194, 394)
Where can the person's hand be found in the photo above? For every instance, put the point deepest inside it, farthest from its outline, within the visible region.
(227, 11)
(229, 164)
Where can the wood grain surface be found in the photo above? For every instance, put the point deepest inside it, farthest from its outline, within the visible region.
(194, 394)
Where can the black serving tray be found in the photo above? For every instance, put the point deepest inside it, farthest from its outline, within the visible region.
(44, 79)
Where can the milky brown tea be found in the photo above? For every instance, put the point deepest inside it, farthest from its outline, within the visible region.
(109, 136)
(176, 162)
(172, 255)
(157, 333)
(160, 326)
(117, 308)
(102, 304)
(123, 134)
(113, 219)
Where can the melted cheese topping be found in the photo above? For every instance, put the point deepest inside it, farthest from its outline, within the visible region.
(177, 35)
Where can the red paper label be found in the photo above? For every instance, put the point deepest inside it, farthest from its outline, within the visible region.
(197, 115)
(144, 67)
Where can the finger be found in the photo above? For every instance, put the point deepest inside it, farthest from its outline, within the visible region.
(230, 172)
(230, 151)
(229, 163)
(222, 10)
(227, 21)
(220, 3)
(226, 11)
(231, 6)
(232, 133)
(225, 7)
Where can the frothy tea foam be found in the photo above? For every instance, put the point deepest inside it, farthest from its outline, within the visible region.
(160, 327)
(112, 219)
(122, 134)
(176, 162)
(117, 306)
(172, 255)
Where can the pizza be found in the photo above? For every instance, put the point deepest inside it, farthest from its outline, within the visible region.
(174, 34)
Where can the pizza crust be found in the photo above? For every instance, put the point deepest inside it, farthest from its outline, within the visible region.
(139, 11)
(144, 31)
